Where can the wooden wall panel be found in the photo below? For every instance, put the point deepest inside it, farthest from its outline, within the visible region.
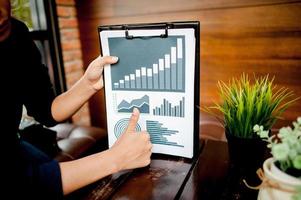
(252, 36)
(124, 8)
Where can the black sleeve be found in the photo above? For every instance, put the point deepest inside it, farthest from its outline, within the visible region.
(35, 175)
(38, 93)
(39, 97)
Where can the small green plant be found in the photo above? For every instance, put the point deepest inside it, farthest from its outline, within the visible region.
(297, 196)
(21, 10)
(244, 105)
(285, 146)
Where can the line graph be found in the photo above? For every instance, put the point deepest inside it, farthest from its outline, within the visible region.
(141, 103)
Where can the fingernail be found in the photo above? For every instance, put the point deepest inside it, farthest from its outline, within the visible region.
(135, 111)
(114, 58)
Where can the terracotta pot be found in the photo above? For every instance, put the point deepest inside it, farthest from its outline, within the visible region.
(285, 183)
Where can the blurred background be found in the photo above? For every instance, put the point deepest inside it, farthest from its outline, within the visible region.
(256, 37)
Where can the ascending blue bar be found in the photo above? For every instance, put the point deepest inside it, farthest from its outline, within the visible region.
(138, 82)
(127, 84)
(127, 81)
(156, 76)
(121, 84)
(149, 78)
(167, 78)
(156, 81)
(173, 76)
(138, 79)
(180, 73)
(144, 82)
(161, 77)
(143, 77)
(161, 74)
(167, 72)
(180, 56)
(133, 84)
(149, 82)
(173, 61)
(132, 81)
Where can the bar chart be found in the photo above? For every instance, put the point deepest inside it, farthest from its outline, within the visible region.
(167, 109)
(158, 133)
(121, 126)
(163, 70)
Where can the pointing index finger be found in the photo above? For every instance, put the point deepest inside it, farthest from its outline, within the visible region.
(133, 120)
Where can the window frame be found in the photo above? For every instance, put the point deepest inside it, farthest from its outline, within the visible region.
(47, 36)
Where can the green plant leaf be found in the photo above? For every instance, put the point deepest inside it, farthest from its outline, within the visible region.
(244, 104)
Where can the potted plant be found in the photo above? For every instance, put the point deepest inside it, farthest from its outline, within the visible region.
(282, 172)
(243, 105)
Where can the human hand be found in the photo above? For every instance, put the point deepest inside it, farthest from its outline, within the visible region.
(132, 149)
(93, 74)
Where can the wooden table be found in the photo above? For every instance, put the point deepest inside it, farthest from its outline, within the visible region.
(209, 176)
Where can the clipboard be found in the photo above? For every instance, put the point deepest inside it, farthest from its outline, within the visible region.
(158, 73)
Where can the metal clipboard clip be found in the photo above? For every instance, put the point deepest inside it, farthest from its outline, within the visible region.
(130, 37)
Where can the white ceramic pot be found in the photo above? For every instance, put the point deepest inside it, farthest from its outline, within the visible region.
(283, 183)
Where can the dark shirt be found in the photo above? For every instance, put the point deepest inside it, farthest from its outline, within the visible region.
(25, 81)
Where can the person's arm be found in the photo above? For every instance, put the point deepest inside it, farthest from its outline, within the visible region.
(131, 150)
(66, 104)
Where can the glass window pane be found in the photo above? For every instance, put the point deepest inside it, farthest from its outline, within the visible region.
(21, 10)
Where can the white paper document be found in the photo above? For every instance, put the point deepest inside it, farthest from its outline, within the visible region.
(155, 75)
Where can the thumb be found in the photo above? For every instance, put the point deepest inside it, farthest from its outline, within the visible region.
(106, 60)
(133, 121)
